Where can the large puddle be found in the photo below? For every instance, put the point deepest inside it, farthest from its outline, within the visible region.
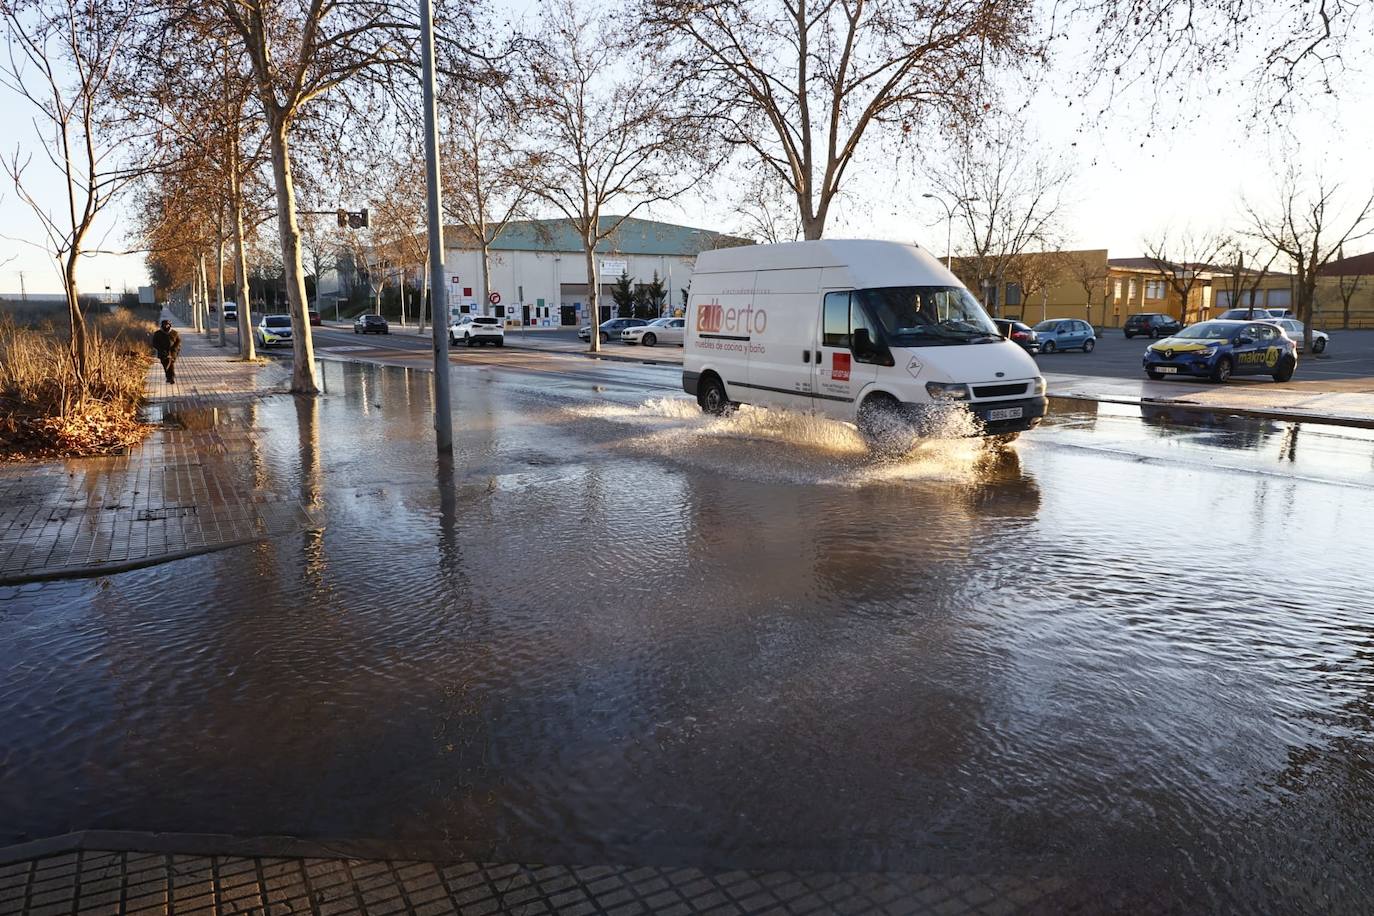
(1128, 652)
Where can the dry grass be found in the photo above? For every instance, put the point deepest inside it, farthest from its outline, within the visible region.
(45, 413)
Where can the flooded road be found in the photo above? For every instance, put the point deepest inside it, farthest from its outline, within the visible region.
(1135, 652)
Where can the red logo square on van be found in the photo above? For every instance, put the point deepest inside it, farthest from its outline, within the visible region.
(839, 367)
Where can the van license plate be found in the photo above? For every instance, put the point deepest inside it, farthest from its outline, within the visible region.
(1166, 370)
(1006, 413)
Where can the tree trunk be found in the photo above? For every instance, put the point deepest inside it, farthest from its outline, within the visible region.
(247, 349)
(219, 277)
(303, 367)
(484, 294)
(593, 297)
(77, 342)
(205, 290)
(424, 296)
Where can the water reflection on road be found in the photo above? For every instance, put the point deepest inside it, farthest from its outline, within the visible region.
(1133, 651)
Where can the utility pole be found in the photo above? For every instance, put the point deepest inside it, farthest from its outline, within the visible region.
(23, 290)
(443, 412)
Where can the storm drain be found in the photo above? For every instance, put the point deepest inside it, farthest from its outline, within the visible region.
(166, 512)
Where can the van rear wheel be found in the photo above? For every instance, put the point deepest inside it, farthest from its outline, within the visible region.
(711, 397)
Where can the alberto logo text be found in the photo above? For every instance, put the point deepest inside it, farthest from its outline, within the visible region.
(714, 318)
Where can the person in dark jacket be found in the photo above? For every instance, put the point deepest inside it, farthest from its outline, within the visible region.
(167, 344)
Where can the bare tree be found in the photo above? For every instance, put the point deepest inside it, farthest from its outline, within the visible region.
(1090, 273)
(764, 211)
(299, 52)
(1181, 258)
(1035, 273)
(606, 133)
(487, 174)
(1347, 285)
(64, 56)
(1244, 269)
(1006, 197)
(1309, 228)
(802, 84)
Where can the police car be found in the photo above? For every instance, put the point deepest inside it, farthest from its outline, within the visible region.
(1220, 349)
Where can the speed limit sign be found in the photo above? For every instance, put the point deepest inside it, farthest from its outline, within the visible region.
(494, 298)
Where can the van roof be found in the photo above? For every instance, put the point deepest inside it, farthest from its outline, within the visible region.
(870, 262)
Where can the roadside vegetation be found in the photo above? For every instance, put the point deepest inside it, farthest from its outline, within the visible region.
(47, 411)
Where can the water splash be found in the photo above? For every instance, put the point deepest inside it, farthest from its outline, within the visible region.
(768, 444)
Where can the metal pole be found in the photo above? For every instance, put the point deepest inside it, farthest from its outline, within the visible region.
(949, 239)
(443, 413)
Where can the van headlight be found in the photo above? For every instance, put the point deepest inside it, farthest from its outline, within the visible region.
(1040, 385)
(948, 391)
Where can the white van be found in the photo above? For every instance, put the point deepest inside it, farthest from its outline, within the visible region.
(879, 334)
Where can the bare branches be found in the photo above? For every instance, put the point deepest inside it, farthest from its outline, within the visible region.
(1309, 225)
(1006, 198)
(1284, 49)
(1182, 258)
(803, 84)
(606, 133)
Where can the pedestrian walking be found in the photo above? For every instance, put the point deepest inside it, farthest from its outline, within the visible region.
(167, 344)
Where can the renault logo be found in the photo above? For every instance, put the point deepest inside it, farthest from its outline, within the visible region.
(1168, 354)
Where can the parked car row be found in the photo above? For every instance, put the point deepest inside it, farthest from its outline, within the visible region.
(1051, 336)
(638, 331)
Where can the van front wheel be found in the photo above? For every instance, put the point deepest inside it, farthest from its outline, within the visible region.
(883, 427)
(711, 396)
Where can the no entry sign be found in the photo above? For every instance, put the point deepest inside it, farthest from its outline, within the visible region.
(494, 298)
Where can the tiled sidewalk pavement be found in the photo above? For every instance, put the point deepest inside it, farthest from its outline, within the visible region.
(95, 882)
(182, 491)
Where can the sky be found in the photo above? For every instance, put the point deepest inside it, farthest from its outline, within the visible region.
(1134, 175)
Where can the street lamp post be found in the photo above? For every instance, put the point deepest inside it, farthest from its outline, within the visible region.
(443, 413)
(949, 224)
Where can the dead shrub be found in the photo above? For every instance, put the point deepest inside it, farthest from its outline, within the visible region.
(46, 412)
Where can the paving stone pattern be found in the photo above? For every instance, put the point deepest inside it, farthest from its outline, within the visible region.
(90, 882)
(186, 489)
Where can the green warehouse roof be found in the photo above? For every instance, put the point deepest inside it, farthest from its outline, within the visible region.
(634, 236)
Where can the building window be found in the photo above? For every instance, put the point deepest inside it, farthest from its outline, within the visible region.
(1013, 294)
(1131, 295)
(1154, 289)
(1279, 299)
(1117, 294)
(1223, 298)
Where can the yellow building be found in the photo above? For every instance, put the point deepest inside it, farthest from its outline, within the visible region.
(1345, 293)
(1104, 291)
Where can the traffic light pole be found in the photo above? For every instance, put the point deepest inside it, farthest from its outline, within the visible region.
(443, 414)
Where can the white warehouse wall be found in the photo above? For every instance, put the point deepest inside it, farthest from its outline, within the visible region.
(548, 275)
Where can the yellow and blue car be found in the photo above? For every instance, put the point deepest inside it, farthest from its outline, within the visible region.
(1217, 350)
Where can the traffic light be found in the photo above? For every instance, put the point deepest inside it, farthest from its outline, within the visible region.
(358, 220)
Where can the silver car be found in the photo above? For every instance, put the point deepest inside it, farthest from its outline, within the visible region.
(1294, 328)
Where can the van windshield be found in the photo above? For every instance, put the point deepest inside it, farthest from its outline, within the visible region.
(922, 316)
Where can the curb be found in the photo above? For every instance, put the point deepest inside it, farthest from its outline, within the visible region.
(589, 355)
(210, 844)
(1288, 416)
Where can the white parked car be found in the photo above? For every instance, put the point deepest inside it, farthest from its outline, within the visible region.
(477, 329)
(1293, 328)
(660, 330)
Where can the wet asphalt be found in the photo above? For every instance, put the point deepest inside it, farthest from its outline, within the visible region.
(1132, 652)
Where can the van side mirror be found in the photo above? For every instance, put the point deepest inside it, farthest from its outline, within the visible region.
(860, 343)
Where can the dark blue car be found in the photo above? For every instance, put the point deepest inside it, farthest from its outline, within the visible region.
(1217, 350)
